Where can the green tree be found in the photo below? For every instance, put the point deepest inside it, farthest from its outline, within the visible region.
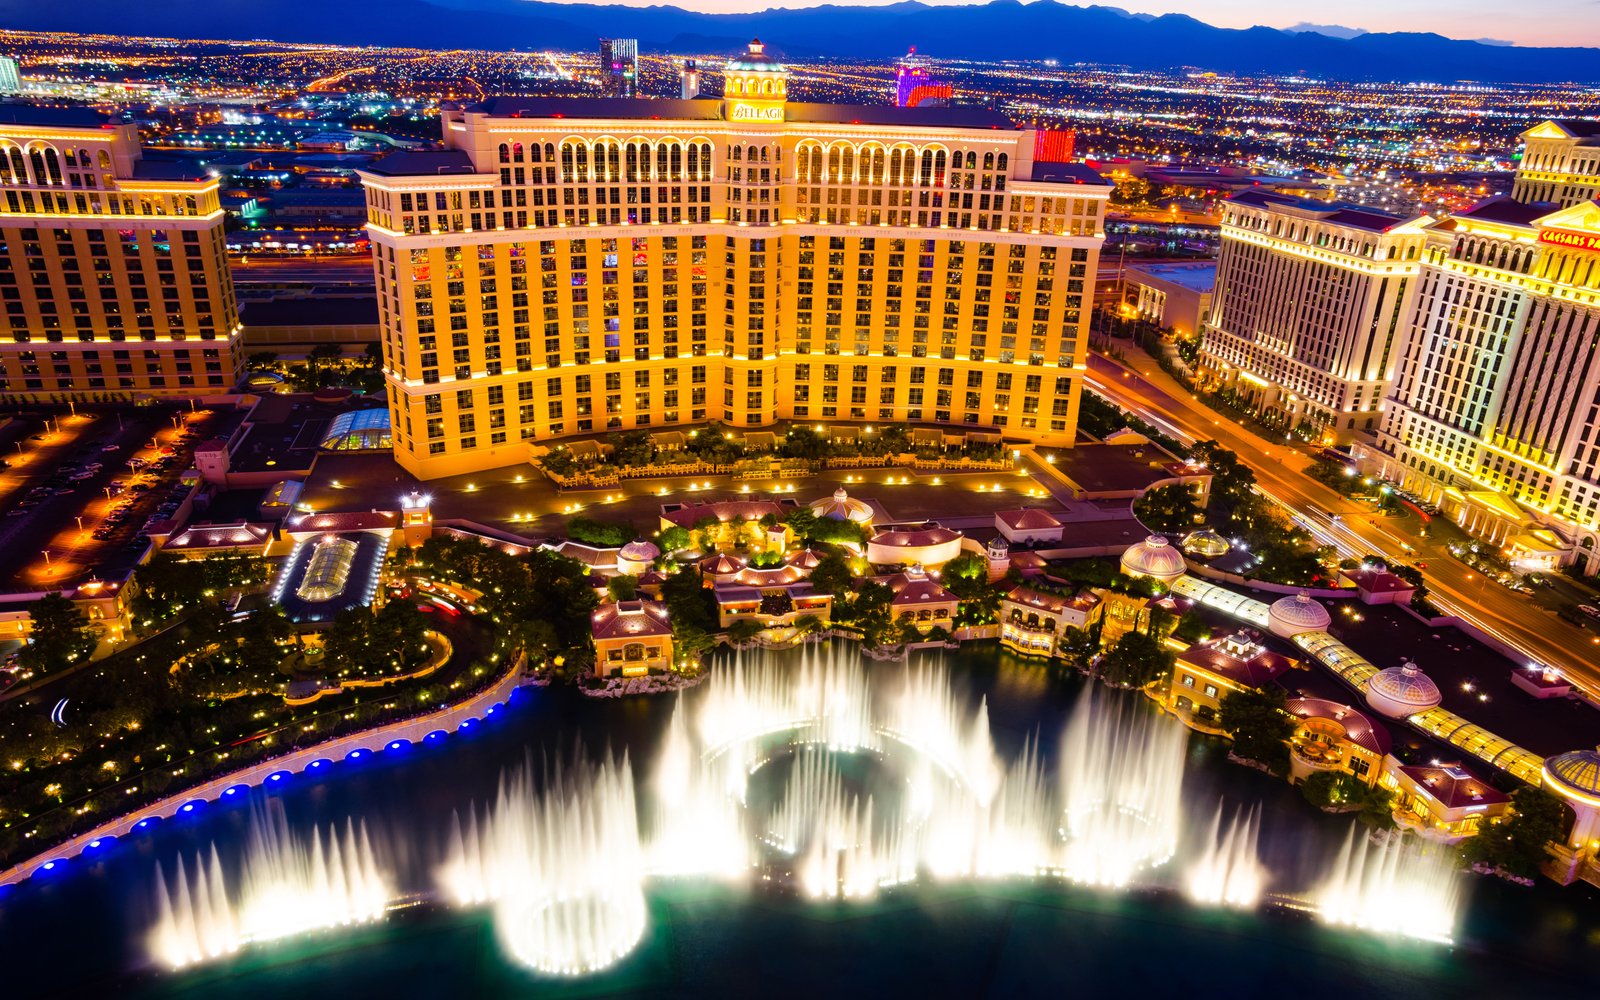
(675, 539)
(58, 635)
(601, 533)
(1517, 845)
(744, 631)
(1136, 660)
(1167, 508)
(689, 603)
(1333, 790)
(623, 587)
(261, 639)
(1191, 628)
(808, 625)
(396, 633)
(345, 641)
(803, 522)
(690, 642)
(1259, 725)
(832, 575)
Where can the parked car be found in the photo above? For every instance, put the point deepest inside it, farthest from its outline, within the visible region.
(1590, 610)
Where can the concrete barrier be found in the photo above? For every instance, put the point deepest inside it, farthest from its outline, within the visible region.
(395, 735)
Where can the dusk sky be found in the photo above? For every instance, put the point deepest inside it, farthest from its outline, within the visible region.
(1536, 22)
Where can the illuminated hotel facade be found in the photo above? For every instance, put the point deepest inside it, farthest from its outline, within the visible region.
(113, 273)
(1309, 308)
(1495, 409)
(575, 266)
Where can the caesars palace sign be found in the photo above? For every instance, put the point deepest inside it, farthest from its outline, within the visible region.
(1571, 239)
(741, 112)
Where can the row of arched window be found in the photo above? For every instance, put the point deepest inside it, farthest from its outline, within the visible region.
(42, 165)
(1493, 253)
(610, 161)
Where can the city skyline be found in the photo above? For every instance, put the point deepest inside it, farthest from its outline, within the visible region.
(685, 514)
(1558, 23)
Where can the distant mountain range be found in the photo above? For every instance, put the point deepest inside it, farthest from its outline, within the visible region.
(1002, 29)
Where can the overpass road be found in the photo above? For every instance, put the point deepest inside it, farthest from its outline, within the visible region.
(1141, 387)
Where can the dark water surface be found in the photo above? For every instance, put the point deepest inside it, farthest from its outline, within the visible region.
(80, 931)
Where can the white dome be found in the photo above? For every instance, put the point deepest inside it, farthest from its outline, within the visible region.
(840, 507)
(1154, 557)
(639, 550)
(1402, 691)
(1290, 616)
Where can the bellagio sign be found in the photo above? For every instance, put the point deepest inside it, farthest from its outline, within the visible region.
(741, 112)
(1570, 239)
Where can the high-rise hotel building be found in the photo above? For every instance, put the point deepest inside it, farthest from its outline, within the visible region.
(582, 265)
(113, 273)
(1495, 409)
(1310, 304)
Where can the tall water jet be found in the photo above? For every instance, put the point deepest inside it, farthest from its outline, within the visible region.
(1393, 887)
(194, 920)
(289, 884)
(292, 884)
(1229, 871)
(562, 864)
(1122, 785)
(696, 826)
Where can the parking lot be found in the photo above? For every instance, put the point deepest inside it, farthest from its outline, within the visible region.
(83, 487)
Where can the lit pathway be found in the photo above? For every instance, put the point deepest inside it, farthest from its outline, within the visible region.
(1356, 670)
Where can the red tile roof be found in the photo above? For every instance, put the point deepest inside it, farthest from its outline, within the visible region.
(1454, 786)
(1358, 728)
(1218, 656)
(630, 620)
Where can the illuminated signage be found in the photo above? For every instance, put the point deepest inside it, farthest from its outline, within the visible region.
(741, 112)
(1570, 239)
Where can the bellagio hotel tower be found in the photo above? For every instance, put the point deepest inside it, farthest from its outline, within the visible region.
(571, 266)
(114, 279)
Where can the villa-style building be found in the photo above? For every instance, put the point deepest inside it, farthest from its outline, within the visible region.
(1209, 671)
(1329, 736)
(1444, 802)
(1033, 621)
(921, 600)
(922, 543)
(773, 606)
(631, 638)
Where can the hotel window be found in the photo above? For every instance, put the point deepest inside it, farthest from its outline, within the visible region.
(1188, 680)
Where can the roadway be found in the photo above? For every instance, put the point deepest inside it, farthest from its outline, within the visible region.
(1141, 387)
(342, 269)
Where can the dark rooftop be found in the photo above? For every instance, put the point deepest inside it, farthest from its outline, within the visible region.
(1068, 173)
(954, 116)
(37, 114)
(324, 311)
(598, 107)
(1503, 208)
(709, 109)
(1580, 127)
(423, 163)
(1337, 212)
(169, 170)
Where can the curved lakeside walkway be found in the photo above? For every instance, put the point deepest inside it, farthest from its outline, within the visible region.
(405, 733)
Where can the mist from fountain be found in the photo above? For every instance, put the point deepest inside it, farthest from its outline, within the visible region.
(1229, 871)
(1121, 782)
(561, 862)
(1393, 887)
(289, 884)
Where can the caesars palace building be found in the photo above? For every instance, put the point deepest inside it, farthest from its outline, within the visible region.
(572, 266)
